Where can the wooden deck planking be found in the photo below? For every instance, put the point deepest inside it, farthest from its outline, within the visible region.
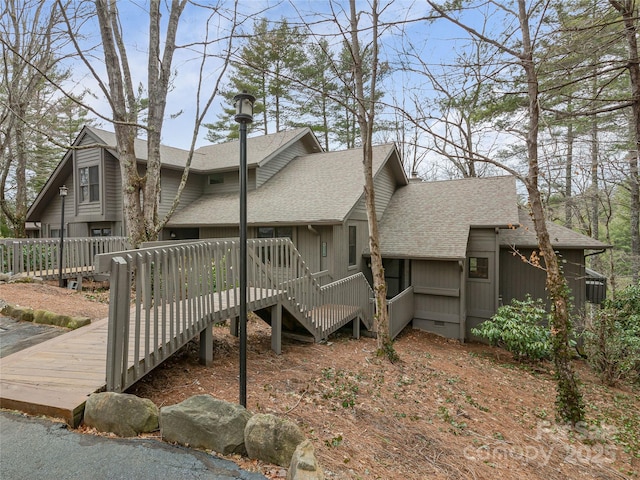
(55, 377)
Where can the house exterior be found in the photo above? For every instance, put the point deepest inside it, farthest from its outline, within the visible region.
(450, 241)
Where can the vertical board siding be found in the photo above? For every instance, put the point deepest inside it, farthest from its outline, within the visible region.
(518, 278)
(112, 188)
(437, 296)
(308, 244)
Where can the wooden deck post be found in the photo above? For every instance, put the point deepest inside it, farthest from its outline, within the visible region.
(118, 336)
(206, 346)
(276, 328)
(356, 327)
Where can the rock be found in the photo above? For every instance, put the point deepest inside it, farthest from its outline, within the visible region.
(206, 422)
(24, 278)
(272, 439)
(5, 277)
(120, 413)
(304, 465)
(50, 318)
(22, 314)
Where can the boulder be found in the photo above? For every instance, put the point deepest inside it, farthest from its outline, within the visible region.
(22, 314)
(304, 465)
(272, 439)
(206, 422)
(24, 278)
(120, 413)
(5, 277)
(50, 318)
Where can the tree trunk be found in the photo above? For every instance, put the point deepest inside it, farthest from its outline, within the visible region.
(628, 10)
(569, 406)
(366, 116)
(568, 179)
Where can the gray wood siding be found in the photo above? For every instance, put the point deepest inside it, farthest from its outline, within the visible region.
(481, 294)
(384, 185)
(87, 140)
(112, 188)
(230, 184)
(308, 244)
(78, 229)
(170, 183)
(437, 288)
(219, 232)
(340, 249)
(518, 278)
(51, 215)
(88, 158)
(277, 163)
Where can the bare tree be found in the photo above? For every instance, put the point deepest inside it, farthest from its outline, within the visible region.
(30, 108)
(141, 190)
(568, 400)
(366, 115)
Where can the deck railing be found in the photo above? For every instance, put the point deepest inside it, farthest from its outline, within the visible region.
(401, 311)
(344, 300)
(163, 296)
(41, 256)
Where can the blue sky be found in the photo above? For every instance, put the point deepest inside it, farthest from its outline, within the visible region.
(436, 43)
(192, 28)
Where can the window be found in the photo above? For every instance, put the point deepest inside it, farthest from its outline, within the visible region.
(479, 267)
(352, 246)
(216, 178)
(89, 184)
(100, 232)
(275, 232)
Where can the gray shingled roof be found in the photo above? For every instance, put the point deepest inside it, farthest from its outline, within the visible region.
(213, 157)
(432, 220)
(561, 237)
(316, 188)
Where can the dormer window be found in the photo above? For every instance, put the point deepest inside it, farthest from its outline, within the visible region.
(88, 184)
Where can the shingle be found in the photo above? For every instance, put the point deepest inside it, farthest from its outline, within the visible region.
(212, 157)
(315, 188)
(561, 237)
(433, 219)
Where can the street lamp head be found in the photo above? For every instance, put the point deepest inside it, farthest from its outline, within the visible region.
(244, 107)
(63, 191)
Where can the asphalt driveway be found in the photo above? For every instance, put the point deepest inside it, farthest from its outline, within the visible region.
(35, 448)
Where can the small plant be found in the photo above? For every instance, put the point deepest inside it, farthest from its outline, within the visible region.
(612, 338)
(334, 442)
(520, 329)
(343, 386)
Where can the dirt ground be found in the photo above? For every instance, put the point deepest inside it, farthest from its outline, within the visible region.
(445, 411)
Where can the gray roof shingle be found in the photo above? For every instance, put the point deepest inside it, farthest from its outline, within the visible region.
(561, 237)
(315, 188)
(223, 156)
(431, 220)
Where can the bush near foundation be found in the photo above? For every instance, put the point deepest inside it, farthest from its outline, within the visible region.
(519, 328)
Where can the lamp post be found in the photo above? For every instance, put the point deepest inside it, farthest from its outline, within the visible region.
(244, 115)
(63, 193)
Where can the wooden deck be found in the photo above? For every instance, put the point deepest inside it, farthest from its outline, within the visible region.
(55, 377)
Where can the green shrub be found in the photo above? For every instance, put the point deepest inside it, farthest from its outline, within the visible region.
(612, 338)
(520, 328)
